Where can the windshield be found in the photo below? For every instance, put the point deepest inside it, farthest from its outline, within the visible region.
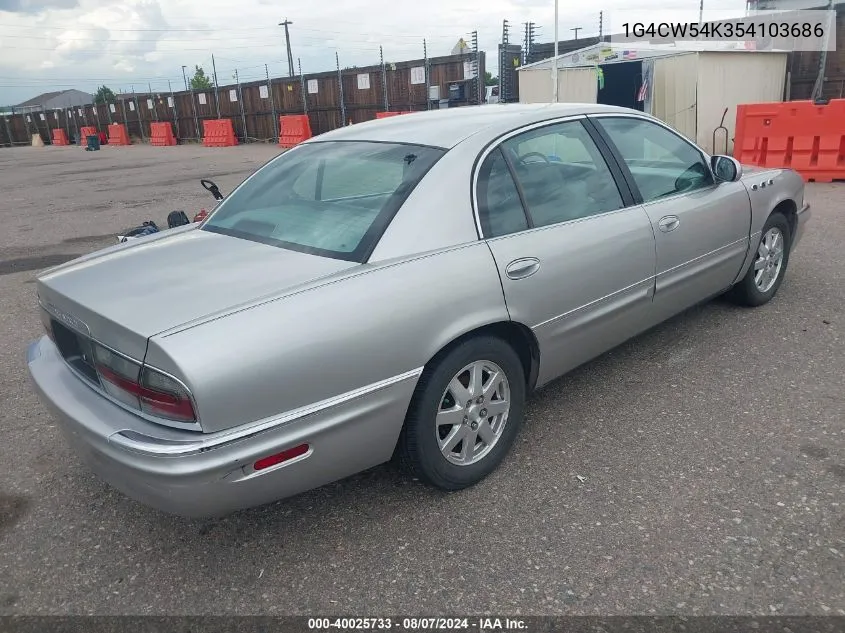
(327, 198)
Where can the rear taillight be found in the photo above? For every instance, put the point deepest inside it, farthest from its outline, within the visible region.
(142, 387)
(164, 397)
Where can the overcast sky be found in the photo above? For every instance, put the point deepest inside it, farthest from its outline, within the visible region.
(56, 44)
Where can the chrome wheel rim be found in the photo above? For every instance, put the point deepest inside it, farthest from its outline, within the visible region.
(473, 413)
(769, 260)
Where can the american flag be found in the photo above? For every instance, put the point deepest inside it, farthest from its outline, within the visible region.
(643, 91)
(629, 54)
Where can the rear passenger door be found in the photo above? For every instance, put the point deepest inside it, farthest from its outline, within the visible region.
(574, 253)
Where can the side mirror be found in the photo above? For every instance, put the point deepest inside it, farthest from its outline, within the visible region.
(726, 168)
(211, 187)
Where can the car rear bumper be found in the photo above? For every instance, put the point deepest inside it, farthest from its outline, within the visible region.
(194, 474)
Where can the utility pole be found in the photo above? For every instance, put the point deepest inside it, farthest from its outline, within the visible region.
(185, 77)
(216, 95)
(287, 44)
(701, 11)
(576, 29)
(601, 26)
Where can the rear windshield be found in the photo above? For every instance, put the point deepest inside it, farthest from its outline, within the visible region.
(328, 198)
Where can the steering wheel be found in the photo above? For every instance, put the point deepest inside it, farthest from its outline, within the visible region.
(544, 158)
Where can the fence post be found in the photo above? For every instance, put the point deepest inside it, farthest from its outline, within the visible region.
(49, 129)
(125, 119)
(9, 131)
(272, 105)
(302, 87)
(108, 107)
(241, 103)
(383, 79)
(175, 109)
(340, 86)
(216, 96)
(138, 112)
(427, 79)
(155, 106)
(75, 122)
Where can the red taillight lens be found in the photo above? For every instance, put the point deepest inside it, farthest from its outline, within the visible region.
(278, 458)
(144, 388)
(164, 397)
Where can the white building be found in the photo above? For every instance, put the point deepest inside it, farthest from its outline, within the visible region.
(687, 88)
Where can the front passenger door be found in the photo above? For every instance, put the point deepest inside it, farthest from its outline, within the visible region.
(701, 227)
(575, 256)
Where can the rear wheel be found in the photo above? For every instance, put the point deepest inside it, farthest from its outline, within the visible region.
(766, 273)
(465, 414)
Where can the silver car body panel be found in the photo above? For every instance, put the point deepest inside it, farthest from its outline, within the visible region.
(592, 288)
(310, 350)
(279, 348)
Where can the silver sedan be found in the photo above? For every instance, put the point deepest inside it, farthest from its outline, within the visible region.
(394, 288)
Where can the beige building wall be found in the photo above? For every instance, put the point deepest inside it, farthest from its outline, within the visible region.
(727, 79)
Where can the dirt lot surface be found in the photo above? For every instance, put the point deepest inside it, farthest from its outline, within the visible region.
(698, 469)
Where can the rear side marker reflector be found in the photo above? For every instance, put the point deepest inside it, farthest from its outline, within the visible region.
(278, 458)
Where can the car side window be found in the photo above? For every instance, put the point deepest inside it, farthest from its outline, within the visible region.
(661, 162)
(499, 207)
(562, 173)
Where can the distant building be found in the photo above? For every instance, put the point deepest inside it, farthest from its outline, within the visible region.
(55, 101)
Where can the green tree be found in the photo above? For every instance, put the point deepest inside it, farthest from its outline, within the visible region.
(104, 94)
(489, 79)
(199, 81)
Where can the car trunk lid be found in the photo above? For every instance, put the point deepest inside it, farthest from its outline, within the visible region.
(123, 296)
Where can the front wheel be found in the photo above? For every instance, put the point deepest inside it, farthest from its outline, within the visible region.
(465, 414)
(766, 273)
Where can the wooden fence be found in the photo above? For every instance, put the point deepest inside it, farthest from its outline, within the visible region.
(254, 107)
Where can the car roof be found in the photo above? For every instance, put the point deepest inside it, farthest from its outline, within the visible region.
(446, 128)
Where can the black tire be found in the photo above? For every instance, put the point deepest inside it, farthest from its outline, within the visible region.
(418, 445)
(746, 292)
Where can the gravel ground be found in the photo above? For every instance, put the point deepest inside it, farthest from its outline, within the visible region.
(712, 453)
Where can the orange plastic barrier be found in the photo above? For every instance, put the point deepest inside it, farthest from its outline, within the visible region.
(60, 137)
(218, 133)
(84, 133)
(161, 135)
(118, 134)
(799, 135)
(293, 129)
(384, 115)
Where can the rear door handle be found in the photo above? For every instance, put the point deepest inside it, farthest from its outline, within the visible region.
(522, 267)
(668, 223)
